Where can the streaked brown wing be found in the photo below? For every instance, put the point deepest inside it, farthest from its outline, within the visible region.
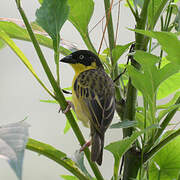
(96, 90)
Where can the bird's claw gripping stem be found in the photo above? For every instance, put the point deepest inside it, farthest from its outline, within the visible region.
(70, 104)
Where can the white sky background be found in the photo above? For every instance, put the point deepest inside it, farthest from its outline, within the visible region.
(20, 94)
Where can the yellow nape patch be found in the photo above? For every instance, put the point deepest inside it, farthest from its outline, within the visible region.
(78, 68)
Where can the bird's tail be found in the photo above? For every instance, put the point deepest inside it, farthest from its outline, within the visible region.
(97, 147)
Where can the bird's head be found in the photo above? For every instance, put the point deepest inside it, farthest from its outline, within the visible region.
(83, 60)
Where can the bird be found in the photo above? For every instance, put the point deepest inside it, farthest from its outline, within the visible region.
(93, 97)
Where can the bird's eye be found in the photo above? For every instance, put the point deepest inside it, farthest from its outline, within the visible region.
(81, 57)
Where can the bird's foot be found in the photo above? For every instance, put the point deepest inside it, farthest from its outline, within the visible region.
(69, 106)
(85, 145)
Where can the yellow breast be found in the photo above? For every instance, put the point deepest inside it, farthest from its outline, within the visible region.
(81, 109)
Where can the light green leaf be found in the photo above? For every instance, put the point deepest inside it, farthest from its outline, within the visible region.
(80, 14)
(2, 44)
(149, 80)
(51, 16)
(166, 163)
(171, 102)
(166, 111)
(169, 86)
(172, 47)
(118, 51)
(49, 101)
(124, 124)
(56, 155)
(68, 177)
(17, 32)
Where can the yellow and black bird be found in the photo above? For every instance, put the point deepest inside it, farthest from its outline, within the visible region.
(93, 97)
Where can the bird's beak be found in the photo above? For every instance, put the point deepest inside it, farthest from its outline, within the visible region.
(68, 59)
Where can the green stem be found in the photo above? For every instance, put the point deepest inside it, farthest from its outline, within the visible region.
(55, 155)
(159, 146)
(111, 39)
(58, 93)
(131, 162)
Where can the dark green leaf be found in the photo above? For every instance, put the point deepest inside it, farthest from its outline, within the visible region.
(51, 16)
(124, 124)
(80, 14)
(166, 163)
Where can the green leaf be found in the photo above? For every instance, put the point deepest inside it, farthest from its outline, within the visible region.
(171, 102)
(169, 86)
(118, 148)
(17, 32)
(124, 124)
(55, 155)
(2, 44)
(49, 101)
(80, 14)
(52, 15)
(166, 163)
(149, 80)
(68, 177)
(118, 51)
(172, 47)
(166, 111)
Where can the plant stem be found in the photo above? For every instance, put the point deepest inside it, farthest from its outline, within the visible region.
(55, 155)
(58, 93)
(131, 162)
(110, 30)
(159, 146)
